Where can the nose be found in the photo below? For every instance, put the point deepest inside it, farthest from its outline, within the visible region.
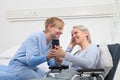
(73, 35)
(61, 31)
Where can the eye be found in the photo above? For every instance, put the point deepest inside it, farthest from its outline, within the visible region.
(60, 28)
(75, 32)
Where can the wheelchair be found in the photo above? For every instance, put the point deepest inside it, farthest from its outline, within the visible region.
(80, 74)
(92, 74)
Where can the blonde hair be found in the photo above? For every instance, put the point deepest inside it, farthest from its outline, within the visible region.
(83, 28)
(53, 21)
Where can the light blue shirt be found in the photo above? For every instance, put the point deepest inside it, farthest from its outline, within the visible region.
(87, 58)
(31, 53)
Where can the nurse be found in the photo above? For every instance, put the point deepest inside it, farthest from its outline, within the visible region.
(36, 50)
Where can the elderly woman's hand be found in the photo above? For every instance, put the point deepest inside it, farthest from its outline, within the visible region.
(72, 43)
(58, 52)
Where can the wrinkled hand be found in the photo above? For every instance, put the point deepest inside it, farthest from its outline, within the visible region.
(72, 43)
(58, 52)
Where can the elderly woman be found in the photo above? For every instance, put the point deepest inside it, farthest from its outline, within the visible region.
(86, 57)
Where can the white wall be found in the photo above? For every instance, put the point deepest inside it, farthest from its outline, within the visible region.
(13, 33)
(36, 4)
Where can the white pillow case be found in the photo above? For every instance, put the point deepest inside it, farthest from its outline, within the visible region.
(105, 61)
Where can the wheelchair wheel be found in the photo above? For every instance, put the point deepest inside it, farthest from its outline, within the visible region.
(99, 78)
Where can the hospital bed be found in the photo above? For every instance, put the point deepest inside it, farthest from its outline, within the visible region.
(112, 75)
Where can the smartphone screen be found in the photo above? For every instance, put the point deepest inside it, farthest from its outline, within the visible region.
(55, 42)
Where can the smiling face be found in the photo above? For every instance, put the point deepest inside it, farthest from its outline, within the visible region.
(79, 36)
(54, 27)
(56, 31)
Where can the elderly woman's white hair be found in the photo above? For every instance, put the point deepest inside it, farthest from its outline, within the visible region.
(83, 28)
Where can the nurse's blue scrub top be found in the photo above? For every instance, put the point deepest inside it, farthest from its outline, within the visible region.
(33, 51)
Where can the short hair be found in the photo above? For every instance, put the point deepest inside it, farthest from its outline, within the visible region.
(83, 28)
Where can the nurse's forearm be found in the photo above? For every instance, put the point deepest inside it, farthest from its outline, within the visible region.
(36, 60)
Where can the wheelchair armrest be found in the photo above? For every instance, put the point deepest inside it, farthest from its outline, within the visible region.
(58, 67)
(90, 70)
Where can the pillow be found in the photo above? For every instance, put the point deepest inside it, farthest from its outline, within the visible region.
(105, 61)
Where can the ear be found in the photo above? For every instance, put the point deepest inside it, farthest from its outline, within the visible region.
(86, 33)
(49, 27)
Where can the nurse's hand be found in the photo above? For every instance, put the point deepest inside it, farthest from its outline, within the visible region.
(50, 55)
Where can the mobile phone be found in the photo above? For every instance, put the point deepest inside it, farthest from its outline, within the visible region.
(55, 42)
